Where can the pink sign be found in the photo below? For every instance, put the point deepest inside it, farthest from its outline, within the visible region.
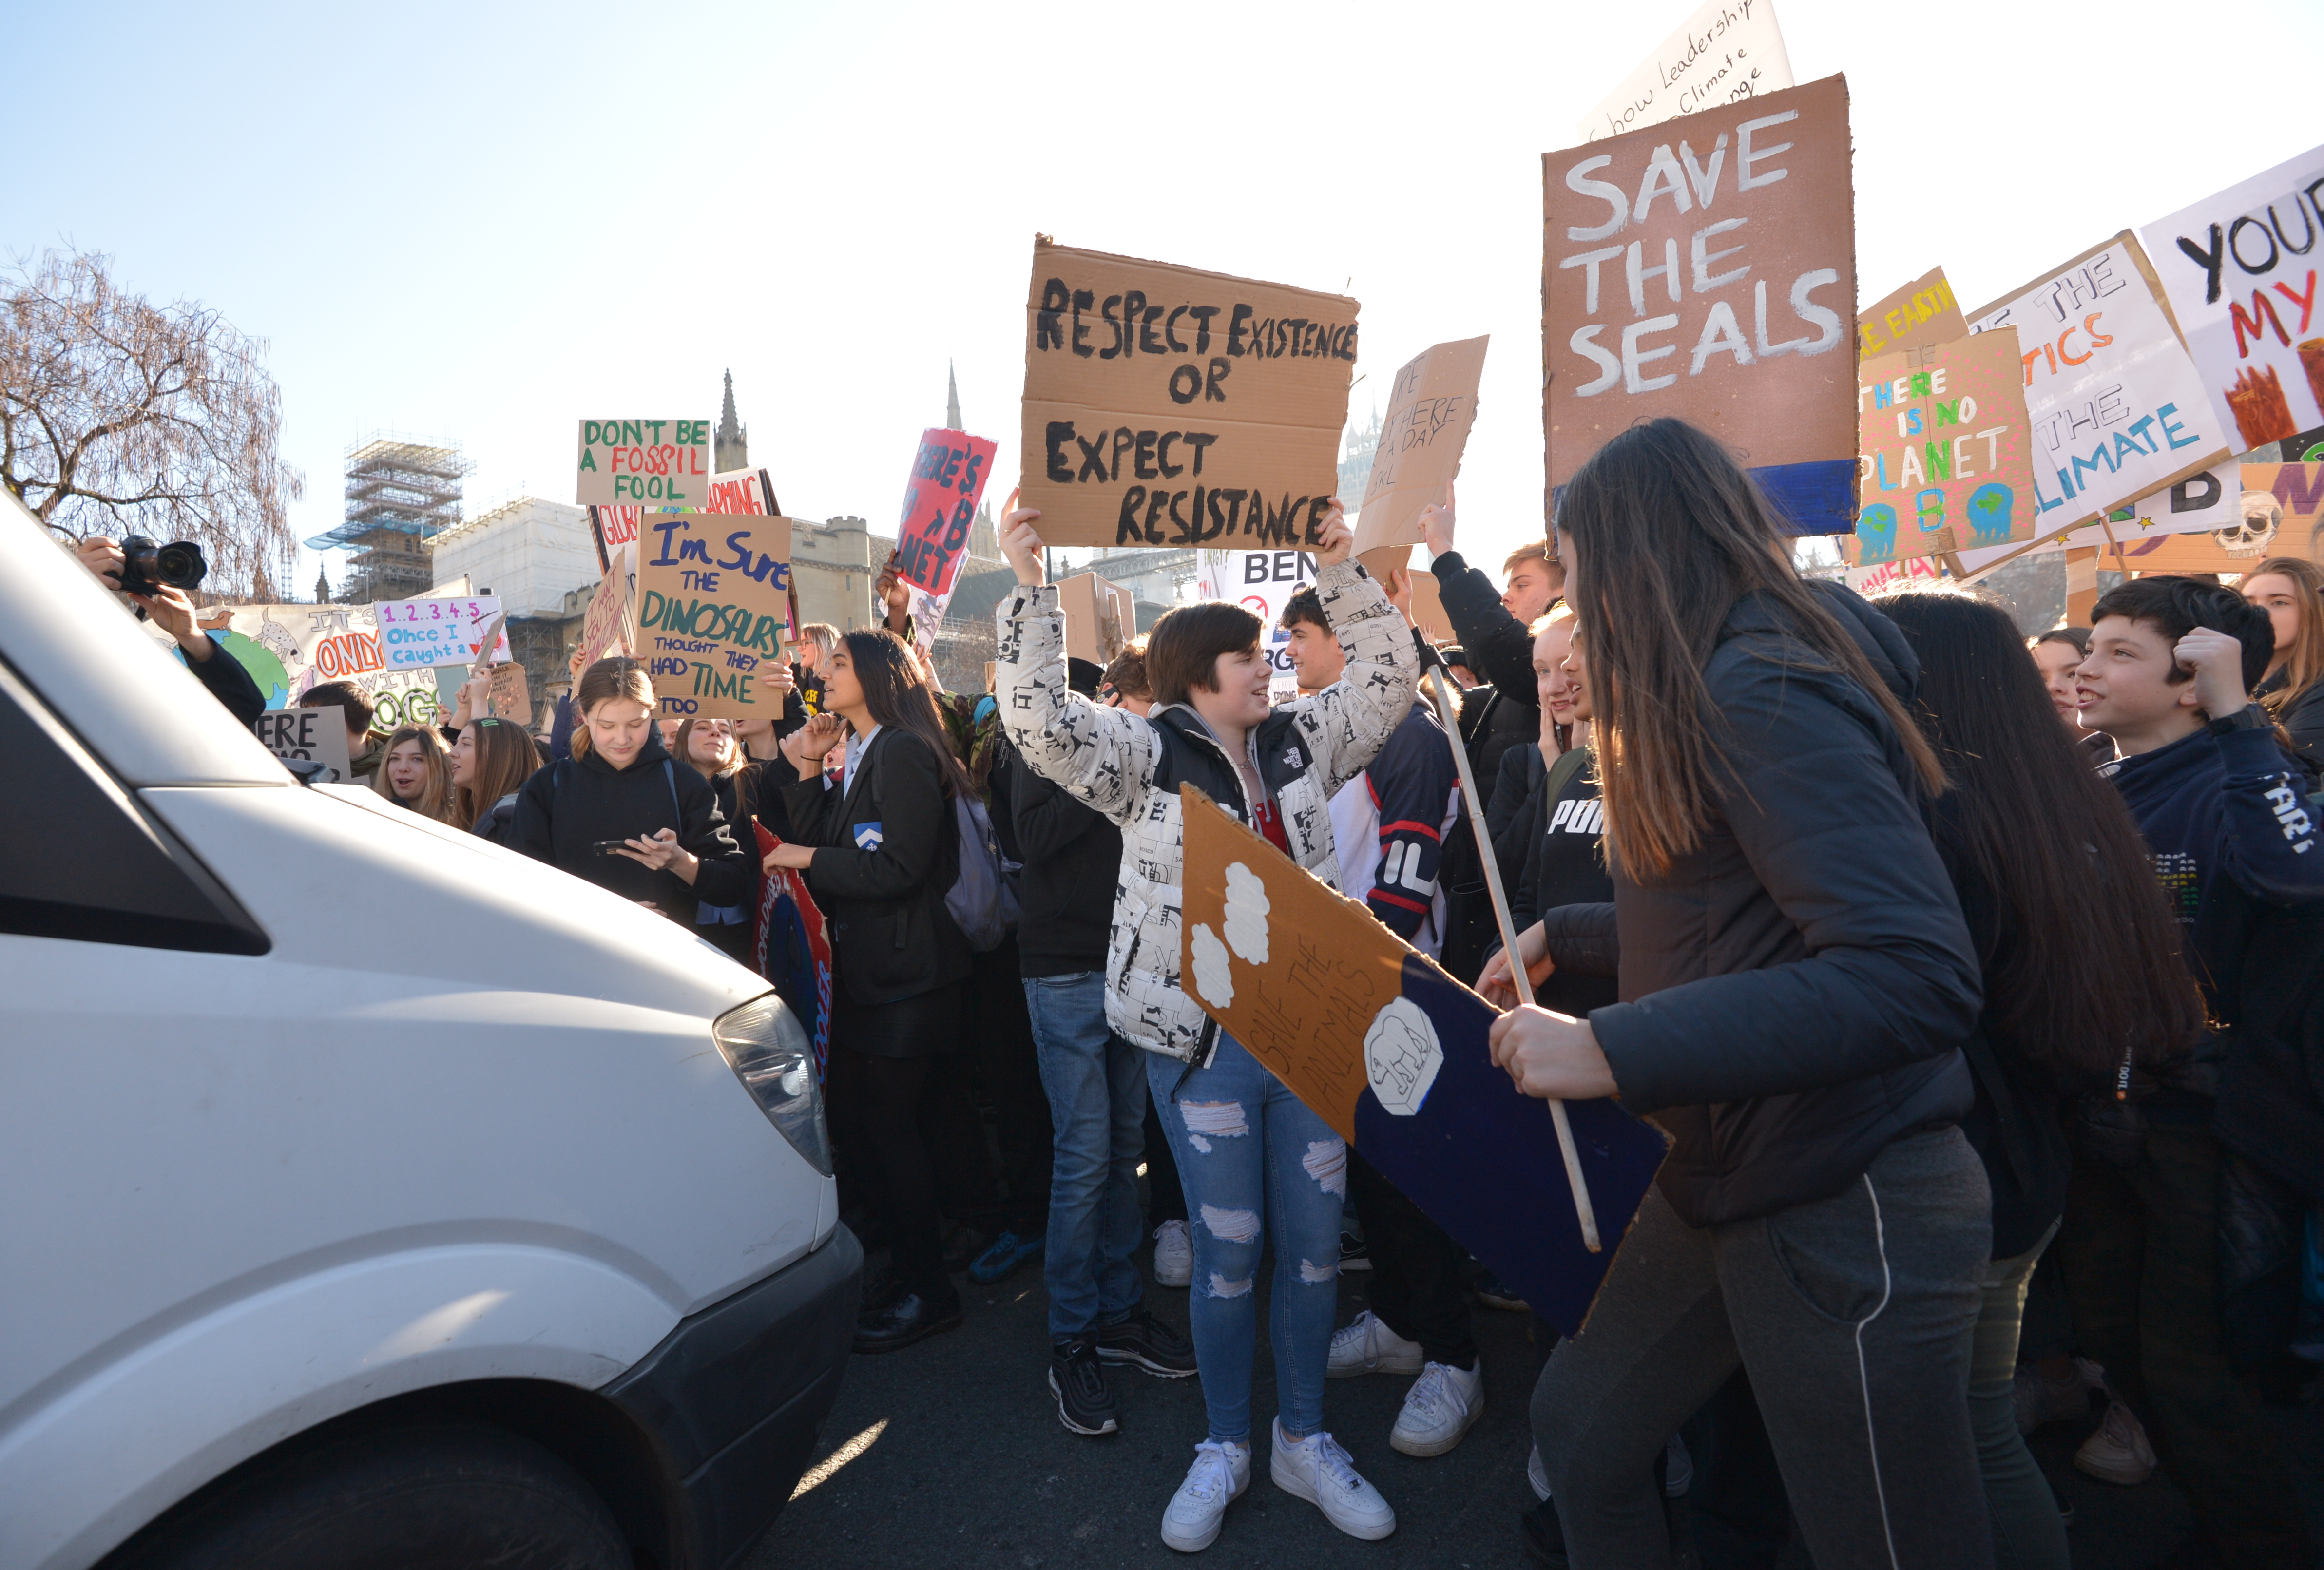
(948, 476)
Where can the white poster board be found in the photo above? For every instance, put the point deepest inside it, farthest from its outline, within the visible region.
(312, 734)
(2116, 407)
(1727, 51)
(423, 633)
(1261, 582)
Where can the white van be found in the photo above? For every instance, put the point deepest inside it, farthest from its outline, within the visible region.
(369, 1195)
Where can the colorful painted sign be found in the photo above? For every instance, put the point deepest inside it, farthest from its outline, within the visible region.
(643, 463)
(1945, 454)
(1432, 404)
(1703, 271)
(2240, 270)
(422, 634)
(2116, 407)
(1168, 406)
(948, 476)
(1923, 312)
(714, 603)
(1727, 51)
(1391, 1051)
(289, 649)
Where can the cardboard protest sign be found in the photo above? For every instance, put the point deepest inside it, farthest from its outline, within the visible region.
(422, 634)
(2204, 501)
(1727, 51)
(714, 603)
(2272, 509)
(317, 735)
(1391, 1051)
(1431, 407)
(613, 528)
(1100, 617)
(747, 491)
(1923, 312)
(1425, 609)
(1707, 272)
(792, 947)
(512, 694)
(2240, 271)
(648, 463)
(948, 474)
(607, 626)
(2298, 490)
(1262, 582)
(2116, 407)
(290, 648)
(1947, 455)
(1168, 406)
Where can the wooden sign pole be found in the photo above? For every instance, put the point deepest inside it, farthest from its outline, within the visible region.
(1450, 714)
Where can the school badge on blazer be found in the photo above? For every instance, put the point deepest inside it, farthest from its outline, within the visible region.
(867, 837)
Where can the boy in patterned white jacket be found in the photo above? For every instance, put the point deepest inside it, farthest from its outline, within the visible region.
(1242, 1136)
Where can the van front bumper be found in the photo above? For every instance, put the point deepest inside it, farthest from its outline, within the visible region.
(733, 1399)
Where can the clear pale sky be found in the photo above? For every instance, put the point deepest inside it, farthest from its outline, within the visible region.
(486, 222)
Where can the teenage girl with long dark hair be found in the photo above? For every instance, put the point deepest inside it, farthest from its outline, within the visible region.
(2081, 966)
(1797, 985)
(880, 850)
(711, 748)
(489, 763)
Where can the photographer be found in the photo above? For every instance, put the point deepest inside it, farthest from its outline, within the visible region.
(173, 612)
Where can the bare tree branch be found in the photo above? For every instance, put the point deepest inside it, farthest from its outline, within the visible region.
(123, 417)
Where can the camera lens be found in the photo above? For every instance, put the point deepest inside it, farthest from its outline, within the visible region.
(179, 564)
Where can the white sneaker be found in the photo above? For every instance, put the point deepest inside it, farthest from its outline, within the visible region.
(1174, 1255)
(1222, 1470)
(1319, 1471)
(1678, 1475)
(2118, 1451)
(1443, 1403)
(1370, 1346)
(1537, 1474)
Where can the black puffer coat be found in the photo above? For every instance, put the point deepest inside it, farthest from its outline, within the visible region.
(564, 810)
(1798, 987)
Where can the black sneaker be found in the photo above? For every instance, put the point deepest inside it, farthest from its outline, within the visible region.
(1355, 1253)
(1085, 1406)
(1543, 1535)
(1145, 1341)
(1493, 1294)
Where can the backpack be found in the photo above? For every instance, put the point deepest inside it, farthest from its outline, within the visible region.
(983, 899)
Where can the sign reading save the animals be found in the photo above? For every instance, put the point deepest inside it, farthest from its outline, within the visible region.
(1946, 456)
(1391, 1051)
(1706, 270)
(648, 463)
(713, 606)
(1165, 406)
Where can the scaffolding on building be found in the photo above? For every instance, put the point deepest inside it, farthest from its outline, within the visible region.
(401, 493)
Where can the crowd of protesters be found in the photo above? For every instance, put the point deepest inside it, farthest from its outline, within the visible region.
(1978, 984)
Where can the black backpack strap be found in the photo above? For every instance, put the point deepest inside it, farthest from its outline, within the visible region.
(670, 778)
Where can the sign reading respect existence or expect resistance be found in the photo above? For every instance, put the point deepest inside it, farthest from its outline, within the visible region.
(650, 463)
(2117, 409)
(1706, 270)
(713, 606)
(1165, 406)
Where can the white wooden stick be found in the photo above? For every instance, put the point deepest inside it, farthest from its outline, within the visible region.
(1450, 714)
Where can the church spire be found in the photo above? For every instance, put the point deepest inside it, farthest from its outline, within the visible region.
(952, 399)
(731, 442)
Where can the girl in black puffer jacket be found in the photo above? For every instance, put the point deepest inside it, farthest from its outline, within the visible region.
(1797, 983)
(671, 846)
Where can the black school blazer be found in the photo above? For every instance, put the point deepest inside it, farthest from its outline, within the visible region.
(886, 854)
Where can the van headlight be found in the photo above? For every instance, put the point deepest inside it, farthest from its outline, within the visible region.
(768, 1050)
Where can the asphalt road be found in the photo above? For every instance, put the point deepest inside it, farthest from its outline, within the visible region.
(949, 1455)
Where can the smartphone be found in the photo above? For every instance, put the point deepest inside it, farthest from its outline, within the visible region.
(606, 847)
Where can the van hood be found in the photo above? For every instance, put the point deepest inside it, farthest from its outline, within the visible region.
(340, 876)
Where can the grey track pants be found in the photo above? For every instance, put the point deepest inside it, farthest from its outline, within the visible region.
(1852, 1316)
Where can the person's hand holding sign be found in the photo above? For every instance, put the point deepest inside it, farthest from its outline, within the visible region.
(1337, 539)
(1552, 1056)
(1021, 544)
(1495, 986)
(661, 851)
(1436, 524)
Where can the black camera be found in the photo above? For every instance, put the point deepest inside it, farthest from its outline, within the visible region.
(145, 566)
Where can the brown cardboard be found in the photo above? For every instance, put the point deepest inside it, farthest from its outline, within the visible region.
(1923, 312)
(1426, 611)
(510, 697)
(1330, 966)
(1432, 406)
(1946, 461)
(607, 626)
(1795, 400)
(1213, 420)
(713, 607)
(1100, 617)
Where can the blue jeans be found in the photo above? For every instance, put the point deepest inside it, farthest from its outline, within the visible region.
(1096, 1086)
(1248, 1148)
